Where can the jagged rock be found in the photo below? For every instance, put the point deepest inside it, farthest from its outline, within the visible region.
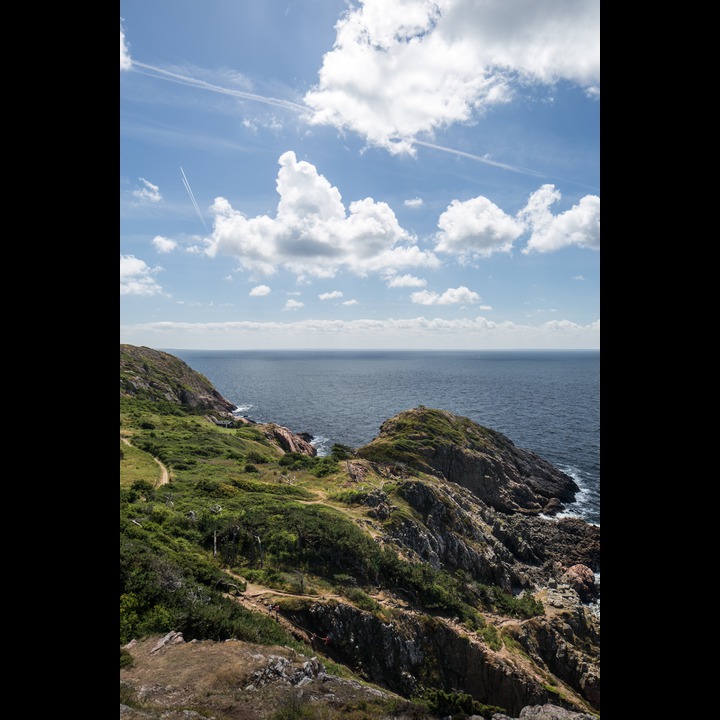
(553, 507)
(414, 650)
(504, 476)
(172, 638)
(461, 498)
(546, 712)
(581, 579)
(288, 440)
(159, 376)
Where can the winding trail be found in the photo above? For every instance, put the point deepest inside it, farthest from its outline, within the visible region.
(164, 474)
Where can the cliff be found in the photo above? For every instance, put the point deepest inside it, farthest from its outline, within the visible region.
(158, 376)
(425, 562)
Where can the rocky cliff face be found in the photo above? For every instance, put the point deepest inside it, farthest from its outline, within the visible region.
(159, 376)
(443, 493)
(486, 462)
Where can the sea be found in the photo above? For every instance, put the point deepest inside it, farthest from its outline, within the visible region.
(547, 401)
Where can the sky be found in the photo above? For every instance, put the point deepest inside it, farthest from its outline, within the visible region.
(327, 174)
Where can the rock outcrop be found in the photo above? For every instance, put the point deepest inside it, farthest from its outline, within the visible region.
(452, 511)
(160, 377)
(288, 440)
(545, 712)
(486, 462)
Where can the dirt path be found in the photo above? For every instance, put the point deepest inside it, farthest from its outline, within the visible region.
(164, 474)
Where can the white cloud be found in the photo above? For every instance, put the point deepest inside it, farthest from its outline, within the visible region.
(578, 226)
(293, 305)
(402, 69)
(125, 61)
(149, 193)
(419, 332)
(414, 202)
(136, 277)
(578, 277)
(485, 307)
(350, 302)
(406, 281)
(259, 291)
(312, 233)
(476, 228)
(163, 244)
(449, 297)
(331, 295)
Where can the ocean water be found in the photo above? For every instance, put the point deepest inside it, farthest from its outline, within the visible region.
(544, 401)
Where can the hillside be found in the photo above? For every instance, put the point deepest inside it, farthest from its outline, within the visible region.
(423, 571)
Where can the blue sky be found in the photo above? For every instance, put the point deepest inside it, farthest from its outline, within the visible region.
(379, 174)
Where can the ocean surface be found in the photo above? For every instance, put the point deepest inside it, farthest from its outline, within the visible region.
(545, 401)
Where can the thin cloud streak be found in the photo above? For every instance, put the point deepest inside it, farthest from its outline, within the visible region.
(304, 110)
(195, 82)
(192, 197)
(502, 166)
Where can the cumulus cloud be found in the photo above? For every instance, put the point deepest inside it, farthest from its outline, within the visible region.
(163, 244)
(402, 69)
(293, 305)
(350, 302)
(413, 202)
(312, 233)
(476, 228)
(406, 281)
(578, 226)
(450, 297)
(331, 295)
(259, 291)
(125, 61)
(149, 193)
(578, 277)
(136, 277)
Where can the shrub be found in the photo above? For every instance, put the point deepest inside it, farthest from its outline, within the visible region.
(256, 457)
(457, 704)
(126, 659)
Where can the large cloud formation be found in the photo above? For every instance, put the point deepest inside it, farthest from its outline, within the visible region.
(312, 234)
(578, 226)
(477, 228)
(401, 69)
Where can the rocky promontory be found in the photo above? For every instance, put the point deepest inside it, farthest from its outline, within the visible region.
(429, 562)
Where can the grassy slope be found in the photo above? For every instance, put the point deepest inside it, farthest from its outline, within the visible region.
(236, 507)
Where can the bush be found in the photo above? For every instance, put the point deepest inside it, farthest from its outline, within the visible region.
(457, 704)
(256, 457)
(126, 659)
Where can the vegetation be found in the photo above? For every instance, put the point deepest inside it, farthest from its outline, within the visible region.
(411, 436)
(240, 509)
(224, 514)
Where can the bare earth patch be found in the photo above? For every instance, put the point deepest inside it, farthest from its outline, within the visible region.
(229, 680)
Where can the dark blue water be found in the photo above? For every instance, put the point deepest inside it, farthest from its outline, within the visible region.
(544, 401)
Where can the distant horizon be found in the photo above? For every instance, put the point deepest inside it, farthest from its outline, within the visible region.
(370, 349)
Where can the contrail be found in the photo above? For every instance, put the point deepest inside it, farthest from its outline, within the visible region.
(304, 110)
(192, 197)
(185, 80)
(504, 166)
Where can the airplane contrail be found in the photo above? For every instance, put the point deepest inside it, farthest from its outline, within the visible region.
(192, 197)
(305, 110)
(504, 166)
(195, 82)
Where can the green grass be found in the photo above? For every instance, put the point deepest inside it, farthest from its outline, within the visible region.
(136, 464)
